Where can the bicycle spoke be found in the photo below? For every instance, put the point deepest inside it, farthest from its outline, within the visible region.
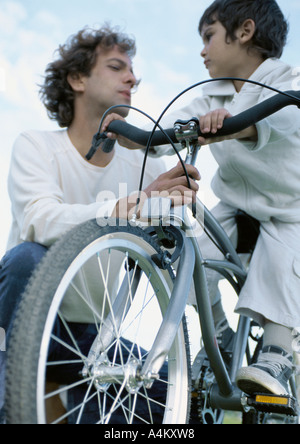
(83, 403)
(66, 326)
(69, 347)
(67, 388)
(70, 412)
(80, 294)
(58, 363)
(106, 296)
(90, 299)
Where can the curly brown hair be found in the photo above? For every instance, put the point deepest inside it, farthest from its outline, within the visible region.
(77, 56)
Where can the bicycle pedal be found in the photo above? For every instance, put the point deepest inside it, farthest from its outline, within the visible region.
(283, 405)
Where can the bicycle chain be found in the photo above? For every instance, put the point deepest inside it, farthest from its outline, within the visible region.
(203, 407)
(200, 397)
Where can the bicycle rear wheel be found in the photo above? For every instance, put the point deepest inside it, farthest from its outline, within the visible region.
(97, 286)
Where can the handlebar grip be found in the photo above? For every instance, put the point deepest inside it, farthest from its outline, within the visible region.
(140, 136)
(231, 126)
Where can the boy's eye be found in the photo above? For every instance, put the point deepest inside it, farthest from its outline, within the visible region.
(207, 37)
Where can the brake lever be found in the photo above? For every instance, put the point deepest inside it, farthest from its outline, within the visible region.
(98, 139)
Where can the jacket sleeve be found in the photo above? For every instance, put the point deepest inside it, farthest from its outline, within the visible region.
(283, 124)
(37, 199)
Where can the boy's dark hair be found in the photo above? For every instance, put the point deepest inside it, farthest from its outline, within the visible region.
(77, 56)
(271, 27)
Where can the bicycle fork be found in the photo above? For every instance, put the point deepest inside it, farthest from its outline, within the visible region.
(173, 316)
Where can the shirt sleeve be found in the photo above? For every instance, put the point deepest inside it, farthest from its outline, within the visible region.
(38, 205)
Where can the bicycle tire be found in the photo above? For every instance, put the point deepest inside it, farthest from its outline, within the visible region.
(44, 298)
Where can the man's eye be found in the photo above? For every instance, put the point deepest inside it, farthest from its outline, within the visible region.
(114, 67)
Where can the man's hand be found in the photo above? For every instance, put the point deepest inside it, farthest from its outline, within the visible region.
(121, 140)
(213, 121)
(172, 185)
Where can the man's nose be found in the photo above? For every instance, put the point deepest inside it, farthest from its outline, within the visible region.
(130, 79)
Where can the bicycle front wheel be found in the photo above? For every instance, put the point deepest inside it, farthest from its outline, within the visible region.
(90, 316)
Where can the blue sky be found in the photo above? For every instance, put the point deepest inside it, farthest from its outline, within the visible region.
(168, 58)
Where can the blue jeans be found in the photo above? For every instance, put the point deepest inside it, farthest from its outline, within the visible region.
(15, 271)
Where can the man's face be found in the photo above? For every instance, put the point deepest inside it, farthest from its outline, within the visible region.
(110, 83)
(221, 55)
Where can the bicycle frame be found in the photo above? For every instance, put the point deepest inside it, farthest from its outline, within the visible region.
(225, 395)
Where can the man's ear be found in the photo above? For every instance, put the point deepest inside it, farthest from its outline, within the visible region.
(76, 81)
(246, 31)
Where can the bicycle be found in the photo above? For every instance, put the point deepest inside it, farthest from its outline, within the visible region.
(121, 369)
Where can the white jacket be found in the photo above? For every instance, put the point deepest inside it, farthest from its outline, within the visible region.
(261, 178)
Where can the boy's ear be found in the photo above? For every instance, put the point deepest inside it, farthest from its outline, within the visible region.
(76, 81)
(246, 31)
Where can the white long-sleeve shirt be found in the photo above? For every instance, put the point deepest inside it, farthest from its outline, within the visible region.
(53, 188)
(261, 178)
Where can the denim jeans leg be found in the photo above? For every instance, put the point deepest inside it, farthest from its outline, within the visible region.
(15, 271)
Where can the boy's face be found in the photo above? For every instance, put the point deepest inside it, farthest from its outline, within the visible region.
(222, 56)
(110, 83)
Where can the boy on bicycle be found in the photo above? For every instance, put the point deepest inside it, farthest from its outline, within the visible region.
(258, 173)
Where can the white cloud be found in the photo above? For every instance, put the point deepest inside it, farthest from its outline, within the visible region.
(11, 14)
(27, 43)
(170, 76)
(148, 100)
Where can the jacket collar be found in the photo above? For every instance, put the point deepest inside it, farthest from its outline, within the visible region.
(226, 87)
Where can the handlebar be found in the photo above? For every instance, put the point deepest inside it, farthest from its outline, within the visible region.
(231, 125)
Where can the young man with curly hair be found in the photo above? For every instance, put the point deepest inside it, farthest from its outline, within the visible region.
(51, 184)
